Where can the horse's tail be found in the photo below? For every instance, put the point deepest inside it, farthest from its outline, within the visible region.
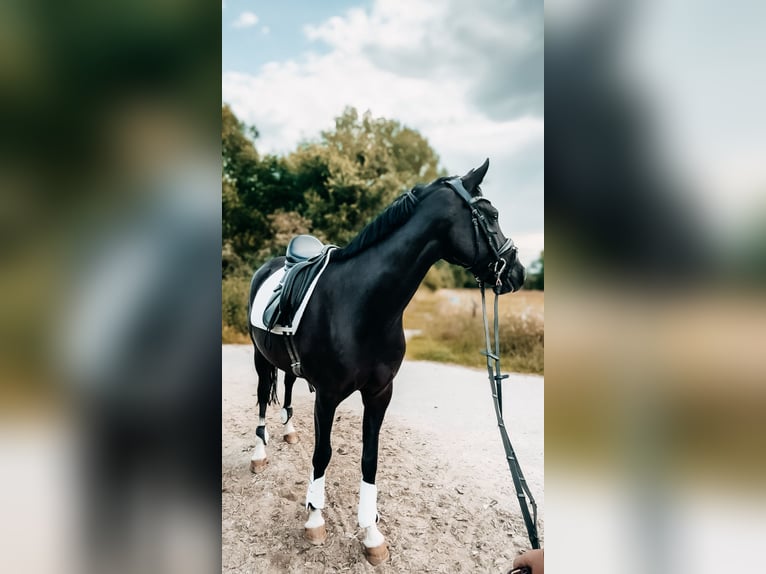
(273, 400)
(267, 381)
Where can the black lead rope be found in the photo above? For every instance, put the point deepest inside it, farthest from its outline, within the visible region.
(495, 380)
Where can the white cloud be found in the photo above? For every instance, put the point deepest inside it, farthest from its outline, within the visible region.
(372, 65)
(245, 20)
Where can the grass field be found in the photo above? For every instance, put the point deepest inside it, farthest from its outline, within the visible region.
(446, 326)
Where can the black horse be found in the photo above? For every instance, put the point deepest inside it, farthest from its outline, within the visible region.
(351, 336)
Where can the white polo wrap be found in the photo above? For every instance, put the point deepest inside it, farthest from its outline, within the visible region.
(368, 503)
(315, 492)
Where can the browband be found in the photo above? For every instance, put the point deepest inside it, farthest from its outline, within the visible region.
(457, 184)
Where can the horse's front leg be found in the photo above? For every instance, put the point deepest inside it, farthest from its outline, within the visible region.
(288, 430)
(375, 405)
(324, 412)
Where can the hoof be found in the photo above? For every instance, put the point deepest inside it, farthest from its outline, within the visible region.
(259, 465)
(291, 437)
(316, 536)
(377, 554)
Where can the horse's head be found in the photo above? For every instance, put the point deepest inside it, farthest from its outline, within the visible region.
(476, 241)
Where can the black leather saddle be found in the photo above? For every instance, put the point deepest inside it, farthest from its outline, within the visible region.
(305, 259)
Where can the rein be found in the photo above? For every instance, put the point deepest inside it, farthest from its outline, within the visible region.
(495, 381)
(498, 267)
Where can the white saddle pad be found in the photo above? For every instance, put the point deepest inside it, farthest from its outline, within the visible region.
(263, 295)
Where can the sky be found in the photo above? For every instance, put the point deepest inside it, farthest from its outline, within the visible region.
(466, 75)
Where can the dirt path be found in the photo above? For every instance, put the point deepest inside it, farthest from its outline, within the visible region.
(446, 499)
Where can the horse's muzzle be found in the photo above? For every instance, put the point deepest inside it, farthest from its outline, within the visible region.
(511, 279)
(516, 276)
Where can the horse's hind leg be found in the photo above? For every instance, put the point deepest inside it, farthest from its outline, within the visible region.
(267, 380)
(324, 411)
(288, 430)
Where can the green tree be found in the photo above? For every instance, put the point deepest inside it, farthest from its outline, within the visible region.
(243, 225)
(355, 170)
(536, 274)
(253, 187)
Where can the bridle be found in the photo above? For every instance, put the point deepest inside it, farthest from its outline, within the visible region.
(497, 264)
(498, 267)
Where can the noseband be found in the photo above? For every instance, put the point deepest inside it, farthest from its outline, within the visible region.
(498, 264)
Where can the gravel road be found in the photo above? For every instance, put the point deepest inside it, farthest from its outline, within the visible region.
(446, 498)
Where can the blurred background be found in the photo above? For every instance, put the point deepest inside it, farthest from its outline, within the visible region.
(110, 306)
(655, 213)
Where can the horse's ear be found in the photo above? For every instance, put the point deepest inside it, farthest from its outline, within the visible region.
(473, 178)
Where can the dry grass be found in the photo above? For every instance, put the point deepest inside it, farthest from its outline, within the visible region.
(232, 336)
(447, 327)
(448, 323)
(234, 294)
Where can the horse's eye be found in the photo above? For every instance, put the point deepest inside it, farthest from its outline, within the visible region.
(496, 216)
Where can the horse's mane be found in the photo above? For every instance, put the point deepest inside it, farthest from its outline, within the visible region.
(392, 218)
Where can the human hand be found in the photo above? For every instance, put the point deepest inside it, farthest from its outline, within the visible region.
(531, 560)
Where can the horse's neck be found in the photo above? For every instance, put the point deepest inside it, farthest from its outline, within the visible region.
(395, 267)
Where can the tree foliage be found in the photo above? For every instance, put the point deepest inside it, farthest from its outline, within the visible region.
(330, 187)
(252, 188)
(244, 225)
(536, 274)
(355, 170)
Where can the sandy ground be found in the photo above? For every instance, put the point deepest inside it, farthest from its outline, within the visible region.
(446, 499)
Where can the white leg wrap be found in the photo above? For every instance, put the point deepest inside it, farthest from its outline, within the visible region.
(373, 537)
(368, 504)
(283, 415)
(315, 492)
(288, 428)
(315, 519)
(260, 448)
